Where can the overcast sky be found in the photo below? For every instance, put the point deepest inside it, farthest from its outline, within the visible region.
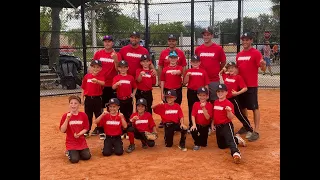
(182, 11)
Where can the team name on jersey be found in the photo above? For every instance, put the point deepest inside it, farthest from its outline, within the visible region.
(113, 122)
(200, 111)
(73, 122)
(134, 55)
(230, 80)
(171, 112)
(147, 75)
(218, 108)
(124, 82)
(171, 71)
(141, 122)
(89, 80)
(167, 57)
(244, 58)
(207, 54)
(108, 60)
(196, 74)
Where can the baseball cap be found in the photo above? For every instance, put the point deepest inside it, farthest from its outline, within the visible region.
(231, 64)
(113, 101)
(142, 101)
(171, 93)
(247, 35)
(145, 57)
(173, 54)
(171, 36)
(195, 58)
(222, 87)
(96, 62)
(203, 90)
(207, 30)
(134, 33)
(123, 63)
(107, 37)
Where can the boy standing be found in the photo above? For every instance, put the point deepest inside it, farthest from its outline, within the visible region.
(92, 86)
(145, 81)
(223, 113)
(172, 118)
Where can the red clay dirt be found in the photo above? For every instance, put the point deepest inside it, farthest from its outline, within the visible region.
(260, 159)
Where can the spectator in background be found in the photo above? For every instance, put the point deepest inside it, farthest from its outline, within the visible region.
(276, 52)
(266, 57)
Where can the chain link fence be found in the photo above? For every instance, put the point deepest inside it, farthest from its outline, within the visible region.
(61, 32)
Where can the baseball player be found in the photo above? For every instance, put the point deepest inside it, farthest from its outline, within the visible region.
(223, 113)
(145, 80)
(194, 78)
(172, 118)
(92, 85)
(133, 52)
(126, 87)
(75, 124)
(142, 121)
(249, 60)
(213, 59)
(109, 60)
(236, 86)
(112, 123)
(201, 119)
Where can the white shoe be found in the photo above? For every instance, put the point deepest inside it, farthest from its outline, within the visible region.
(209, 132)
(241, 141)
(122, 136)
(236, 157)
(248, 134)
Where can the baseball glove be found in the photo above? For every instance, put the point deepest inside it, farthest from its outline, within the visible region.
(151, 136)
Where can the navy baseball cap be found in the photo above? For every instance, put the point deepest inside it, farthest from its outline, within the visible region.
(195, 58)
(145, 57)
(134, 33)
(207, 30)
(247, 35)
(171, 36)
(123, 63)
(222, 87)
(173, 54)
(142, 101)
(96, 62)
(203, 90)
(231, 64)
(107, 37)
(171, 93)
(113, 101)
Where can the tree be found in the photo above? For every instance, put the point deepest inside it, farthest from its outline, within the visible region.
(159, 32)
(276, 9)
(45, 24)
(55, 36)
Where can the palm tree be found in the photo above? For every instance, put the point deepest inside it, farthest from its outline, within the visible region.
(276, 9)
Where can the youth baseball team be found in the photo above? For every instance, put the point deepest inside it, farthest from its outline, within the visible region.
(117, 90)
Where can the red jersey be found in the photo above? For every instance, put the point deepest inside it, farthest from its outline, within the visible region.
(108, 68)
(132, 56)
(76, 124)
(147, 80)
(169, 113)
(144, 122)
(112, 125)
(171, 81)
(210, 58)
(219, 112)
(125, 88)
(248, 63)
(198, 78)
(90, 88)
(197, 112)
(164, 61)
(233, 82)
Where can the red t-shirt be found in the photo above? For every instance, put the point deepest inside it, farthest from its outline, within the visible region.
(197, 112)
(233, 82)
(198, 78)
(112, 125)
(164, 61)
(219, 112)
(108, 68)
(76, 124)
(169, 113)
(144, 122)
(132, 56)
(147, 80)
(90, 88)
(210, 58)
(125, 88)
(171, 81)
(248, 63)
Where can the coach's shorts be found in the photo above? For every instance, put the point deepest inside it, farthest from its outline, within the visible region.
(267, 60)
(213, 86)
(249, 99)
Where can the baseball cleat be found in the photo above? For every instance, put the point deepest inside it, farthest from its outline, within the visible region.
(254, 136)
(248, 134)
(183, 148)
(241, 141)
(236, 158)
(196, 148)
(242, 130)
(130, 148)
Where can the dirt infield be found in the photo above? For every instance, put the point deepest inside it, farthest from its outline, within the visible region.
(260, 159)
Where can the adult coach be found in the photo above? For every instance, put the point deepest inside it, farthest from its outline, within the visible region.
(249, 60)
(132, 54)
(109, 59)
(213, 59)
